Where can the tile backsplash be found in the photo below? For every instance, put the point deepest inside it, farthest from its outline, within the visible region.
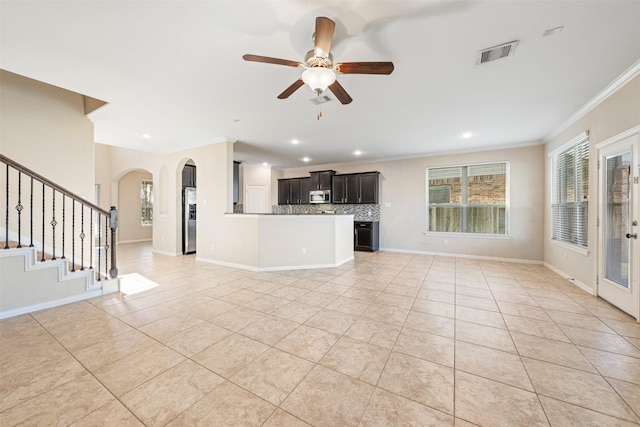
(360, 212)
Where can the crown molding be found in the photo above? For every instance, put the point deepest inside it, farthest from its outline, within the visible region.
(605, 93)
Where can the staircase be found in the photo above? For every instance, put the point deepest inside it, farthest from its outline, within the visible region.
(56, 247)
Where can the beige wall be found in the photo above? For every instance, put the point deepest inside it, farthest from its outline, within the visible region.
(214, 177)
(403, 204)
(112, 163)
(130, 228)
(44, 128)
(618, 113)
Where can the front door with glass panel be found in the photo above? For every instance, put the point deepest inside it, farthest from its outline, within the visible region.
(619, 253)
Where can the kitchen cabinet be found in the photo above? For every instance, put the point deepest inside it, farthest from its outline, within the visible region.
(366, 236)
(293, 191)
(355, 188)
(321, 180)
(188, 176)
(283, 191)
(305, 187)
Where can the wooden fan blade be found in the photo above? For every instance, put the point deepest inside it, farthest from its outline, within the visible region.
(269, 60)
(365, 67)
(340, 93)
(323, 36)
(288, 91)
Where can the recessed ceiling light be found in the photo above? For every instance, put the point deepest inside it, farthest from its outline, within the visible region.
(265, 164)
(467, 135)
(146, 136)
(552, 31)
(305, 159)
(357, 152)
(295, 141)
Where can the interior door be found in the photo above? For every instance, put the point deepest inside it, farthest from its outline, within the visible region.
(619, 247)
(256, 199)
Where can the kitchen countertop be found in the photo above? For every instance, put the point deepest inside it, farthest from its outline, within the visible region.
(289, 214)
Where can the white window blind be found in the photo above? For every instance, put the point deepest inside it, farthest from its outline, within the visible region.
(468, 199)
(570, 204)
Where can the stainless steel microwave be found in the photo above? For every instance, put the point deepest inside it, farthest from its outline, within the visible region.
(320, 196)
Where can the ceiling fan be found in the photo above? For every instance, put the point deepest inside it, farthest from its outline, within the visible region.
(320, 72)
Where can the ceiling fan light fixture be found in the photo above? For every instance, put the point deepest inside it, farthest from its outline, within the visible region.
(318, 78)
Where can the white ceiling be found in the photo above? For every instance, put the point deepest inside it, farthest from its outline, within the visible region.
(174, 70)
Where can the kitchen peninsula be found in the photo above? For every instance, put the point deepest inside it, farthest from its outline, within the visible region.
(269, 242)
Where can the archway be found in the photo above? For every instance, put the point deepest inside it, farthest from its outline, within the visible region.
(189, 211)
(135, 206)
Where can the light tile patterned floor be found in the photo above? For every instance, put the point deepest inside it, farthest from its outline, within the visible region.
(389, 339)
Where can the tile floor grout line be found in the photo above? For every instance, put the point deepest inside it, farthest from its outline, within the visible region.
(391, 350)
(606, 379)
(524, 366)
(527, 275)
(89, 372)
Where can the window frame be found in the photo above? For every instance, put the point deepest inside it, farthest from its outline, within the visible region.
(507, 202)
(148, 205)
(571, 145)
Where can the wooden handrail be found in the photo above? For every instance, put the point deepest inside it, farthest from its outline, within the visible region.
(51, 184)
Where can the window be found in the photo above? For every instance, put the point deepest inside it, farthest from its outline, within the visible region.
(468, 199)
(570, 180)
(146, 194)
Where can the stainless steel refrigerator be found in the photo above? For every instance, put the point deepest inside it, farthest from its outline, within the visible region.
(189, 215)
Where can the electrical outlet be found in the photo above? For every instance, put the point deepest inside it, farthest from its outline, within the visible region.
(304, 251)
(213, 246)
(446, 242)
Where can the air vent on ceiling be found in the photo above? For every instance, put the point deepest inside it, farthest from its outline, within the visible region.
(496, 52)
(322, 99)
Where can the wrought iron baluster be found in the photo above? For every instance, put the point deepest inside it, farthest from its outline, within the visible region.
(106, 248)
(19, 208)
(63, 224)
(31, 215)
(93, 240)
(73, 235)
(43, 221)
(82, 236)
(99, 242)
(53, 224)
(113, 224)
(6, 215)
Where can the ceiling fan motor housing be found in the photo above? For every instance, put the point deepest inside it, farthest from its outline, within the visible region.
(313, 60)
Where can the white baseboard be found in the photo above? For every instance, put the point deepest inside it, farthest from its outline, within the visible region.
(124, 242)
(578, 283)
(454, 255)
(167, 253)
(278, 268)
(49, 304)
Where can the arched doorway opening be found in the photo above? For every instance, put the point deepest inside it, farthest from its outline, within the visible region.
(189, 208)
(135, 206)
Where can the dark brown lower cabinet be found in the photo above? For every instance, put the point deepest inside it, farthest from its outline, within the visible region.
(367, 236)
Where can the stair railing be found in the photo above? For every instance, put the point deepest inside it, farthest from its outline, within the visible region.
(62, 212)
